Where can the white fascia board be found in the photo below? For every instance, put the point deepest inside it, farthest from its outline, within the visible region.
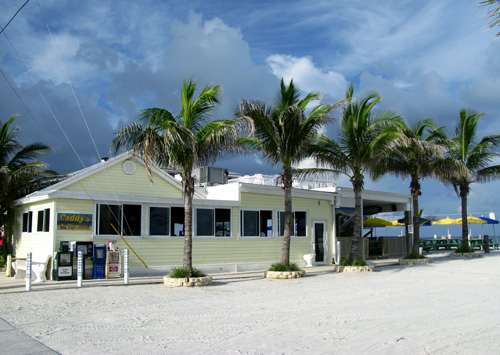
(278, 191)
(216, 203)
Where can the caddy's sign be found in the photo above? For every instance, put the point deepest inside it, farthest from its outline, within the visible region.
(74, 221)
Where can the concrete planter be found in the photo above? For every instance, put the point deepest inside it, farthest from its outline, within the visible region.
(185, 282)
(284, 274)
(414, 261)
(465, 255)
(357, 268)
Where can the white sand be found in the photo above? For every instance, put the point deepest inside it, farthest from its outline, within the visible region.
(449, 306)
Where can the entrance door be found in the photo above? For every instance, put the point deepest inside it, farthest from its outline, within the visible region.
(320, 242)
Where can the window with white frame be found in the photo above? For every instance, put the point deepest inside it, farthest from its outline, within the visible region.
(27, 221)
(165, 221)
(299, 219)
(256, 223)
(126, 218)
(159, 221)
(43, 220)
(213, 222)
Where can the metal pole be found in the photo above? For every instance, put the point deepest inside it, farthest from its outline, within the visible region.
(28, 272)
(125, 266)
(79, 270)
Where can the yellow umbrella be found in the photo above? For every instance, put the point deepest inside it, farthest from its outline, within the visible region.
(396, 223)
(472, 219)
(447, 220)
(376, 222)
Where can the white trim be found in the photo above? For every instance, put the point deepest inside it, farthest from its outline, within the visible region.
(278, 191)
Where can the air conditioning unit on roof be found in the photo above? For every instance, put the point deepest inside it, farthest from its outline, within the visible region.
(212, 176)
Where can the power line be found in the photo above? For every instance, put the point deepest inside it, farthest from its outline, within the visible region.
(3, 28)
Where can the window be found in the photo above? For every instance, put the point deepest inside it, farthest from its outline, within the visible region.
(256, 223)
(177, 221)
(127, 219)
(27, 220)
(43, 221)
(213, 222)
(159, 221)
(299, 221)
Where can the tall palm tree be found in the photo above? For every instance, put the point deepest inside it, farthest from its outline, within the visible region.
(282, 133)
(20, 170)
(362, 136)
(493, 13)
(475, 158)
(185, 141)
(415, 154)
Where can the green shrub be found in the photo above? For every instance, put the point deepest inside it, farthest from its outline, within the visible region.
(359, 262)
(414, 256)
(179, 272)
(2, 261)
(465, 249)
(283, 267)
(346, 262)
(351, 262)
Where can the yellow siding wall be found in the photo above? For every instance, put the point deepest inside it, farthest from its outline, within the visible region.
(39, 243)
(113, 180)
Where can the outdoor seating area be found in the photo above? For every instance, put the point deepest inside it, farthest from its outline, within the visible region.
(448, 244)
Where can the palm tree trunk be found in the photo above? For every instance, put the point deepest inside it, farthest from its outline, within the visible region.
(287, 186)
(358, 220)
(464, 191)
(415, 192)
(416, 225)
(188, 187)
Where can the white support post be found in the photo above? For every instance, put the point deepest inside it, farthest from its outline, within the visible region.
(8, 267)
(338, 253)
(79, 270)
(28, 272)
(125, 266)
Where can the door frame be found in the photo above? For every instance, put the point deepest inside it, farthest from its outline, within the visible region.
(325, 240)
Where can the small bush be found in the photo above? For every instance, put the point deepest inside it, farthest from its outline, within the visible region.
(414, 256)
(359, 262)
(179, 272)
(351, 262)
(465, 249)
(283, 267)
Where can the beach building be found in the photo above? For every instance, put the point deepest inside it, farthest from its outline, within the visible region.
(237, 223)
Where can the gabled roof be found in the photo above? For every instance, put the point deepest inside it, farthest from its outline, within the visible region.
(51, 191)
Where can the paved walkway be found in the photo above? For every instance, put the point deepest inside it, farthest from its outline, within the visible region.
(14, 341)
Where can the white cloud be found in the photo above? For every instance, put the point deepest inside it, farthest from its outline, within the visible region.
(307, 76)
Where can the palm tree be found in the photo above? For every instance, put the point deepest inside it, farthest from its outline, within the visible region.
(493, 13)
(20, 170)
(185, 141)
(474, 157)
(282, 134)
(362, 135)
(415, 154)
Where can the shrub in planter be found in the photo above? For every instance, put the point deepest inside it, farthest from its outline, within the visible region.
(351, 262)
(283, 267)
(414, 256)
(465, 249)
(179, 273)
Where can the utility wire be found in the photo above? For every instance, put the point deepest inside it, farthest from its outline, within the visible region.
(4, 27)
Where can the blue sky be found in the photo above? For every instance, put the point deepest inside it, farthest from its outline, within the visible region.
(426, 58)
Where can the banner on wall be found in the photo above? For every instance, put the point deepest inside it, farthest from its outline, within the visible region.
(74, 221)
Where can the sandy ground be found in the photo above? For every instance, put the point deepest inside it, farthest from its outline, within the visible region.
(449, 306)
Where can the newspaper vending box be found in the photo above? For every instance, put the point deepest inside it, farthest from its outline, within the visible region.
(99, 260)
(63, 263)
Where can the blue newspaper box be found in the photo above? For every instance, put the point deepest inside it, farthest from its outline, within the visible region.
(99, 261)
